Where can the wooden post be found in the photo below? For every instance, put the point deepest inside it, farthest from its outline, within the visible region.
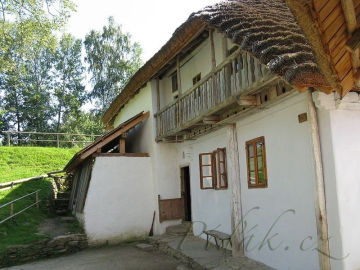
(9, 138)
(37, 198)
(178, 74)
(320, 199)
(228, 67)
(235, 188)
(158, 94)
(212, 50)
(57, 141)
(122, 145)
(213, 63)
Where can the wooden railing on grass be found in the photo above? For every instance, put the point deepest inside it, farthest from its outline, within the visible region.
(238, 74)
(27, 137)
(11, 204)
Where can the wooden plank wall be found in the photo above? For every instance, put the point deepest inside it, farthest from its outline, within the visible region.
(80, 186)
(171, 209)
(331, 21)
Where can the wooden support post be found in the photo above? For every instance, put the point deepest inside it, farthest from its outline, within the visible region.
(158, 94)
(213, 63)
(122, 145)
(9, 138)
(235, 188)
(212, 50)
(228, 67)
(320, 199)
(178, 75)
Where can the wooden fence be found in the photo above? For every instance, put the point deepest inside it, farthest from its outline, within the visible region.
(46, 138)
(11, 204)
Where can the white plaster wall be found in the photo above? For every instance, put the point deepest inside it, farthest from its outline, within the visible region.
(290, 188)
(120, 202)
(209, 207)
(200, 62)
(340, 133)
(139, 138)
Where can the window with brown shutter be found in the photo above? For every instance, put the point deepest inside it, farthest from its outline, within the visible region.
(213, 173)
(256, 163)
(207, 176)
(221, 175)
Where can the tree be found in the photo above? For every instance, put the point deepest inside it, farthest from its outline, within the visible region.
(24, 21)
(68, 89)
(112, 60)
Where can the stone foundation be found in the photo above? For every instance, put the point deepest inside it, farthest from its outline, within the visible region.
(59, 245)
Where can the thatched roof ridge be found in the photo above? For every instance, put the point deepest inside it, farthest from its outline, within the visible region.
(266, 28)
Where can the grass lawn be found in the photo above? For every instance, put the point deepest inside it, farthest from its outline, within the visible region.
(23, 228)
(21, 162)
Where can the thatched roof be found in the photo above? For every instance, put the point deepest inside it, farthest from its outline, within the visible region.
(265, 28)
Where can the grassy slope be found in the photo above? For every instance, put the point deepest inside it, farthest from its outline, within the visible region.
(21, 162)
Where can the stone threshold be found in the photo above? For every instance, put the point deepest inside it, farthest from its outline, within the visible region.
(192, 252)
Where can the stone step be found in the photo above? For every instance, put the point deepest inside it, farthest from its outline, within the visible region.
(63, 195)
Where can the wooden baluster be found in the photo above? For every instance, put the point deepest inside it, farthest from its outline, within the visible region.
(37, 198)
(11, 209)
(246, 79)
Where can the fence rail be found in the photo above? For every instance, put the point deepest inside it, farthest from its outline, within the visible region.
(11, 203)
(28, 137)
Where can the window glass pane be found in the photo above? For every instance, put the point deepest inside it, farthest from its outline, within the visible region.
(206, 159)
(260, 163)
(252, 164)
(261, 177)
(206, 171)
(207, 182)
(251, 150)
(259, 148)
(252, 178)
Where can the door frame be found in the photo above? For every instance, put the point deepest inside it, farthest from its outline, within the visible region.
(187, 205)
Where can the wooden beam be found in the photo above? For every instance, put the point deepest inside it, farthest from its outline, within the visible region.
(210, 120)
(320, 198)
(235, 189)
(121, 155)
(247, 101)
(212, 50)
(178, 75)
(350, 16)
(354, 41)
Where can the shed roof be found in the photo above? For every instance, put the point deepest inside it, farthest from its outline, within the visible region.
(107, 138)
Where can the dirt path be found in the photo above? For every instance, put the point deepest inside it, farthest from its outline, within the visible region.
(107, 258)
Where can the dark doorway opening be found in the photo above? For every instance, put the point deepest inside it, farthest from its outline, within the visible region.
(185, 192)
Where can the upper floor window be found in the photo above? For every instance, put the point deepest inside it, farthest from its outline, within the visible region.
(174, 83)
(256, 163)
(213, 174)
(197, 78)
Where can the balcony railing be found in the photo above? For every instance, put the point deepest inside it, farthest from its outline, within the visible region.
(238, 75)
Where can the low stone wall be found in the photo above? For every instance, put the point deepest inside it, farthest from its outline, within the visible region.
(59, 245)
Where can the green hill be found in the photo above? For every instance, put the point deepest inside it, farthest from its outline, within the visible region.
(21, 162)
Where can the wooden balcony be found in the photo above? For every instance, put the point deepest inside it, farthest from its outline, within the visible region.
(231, 85)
